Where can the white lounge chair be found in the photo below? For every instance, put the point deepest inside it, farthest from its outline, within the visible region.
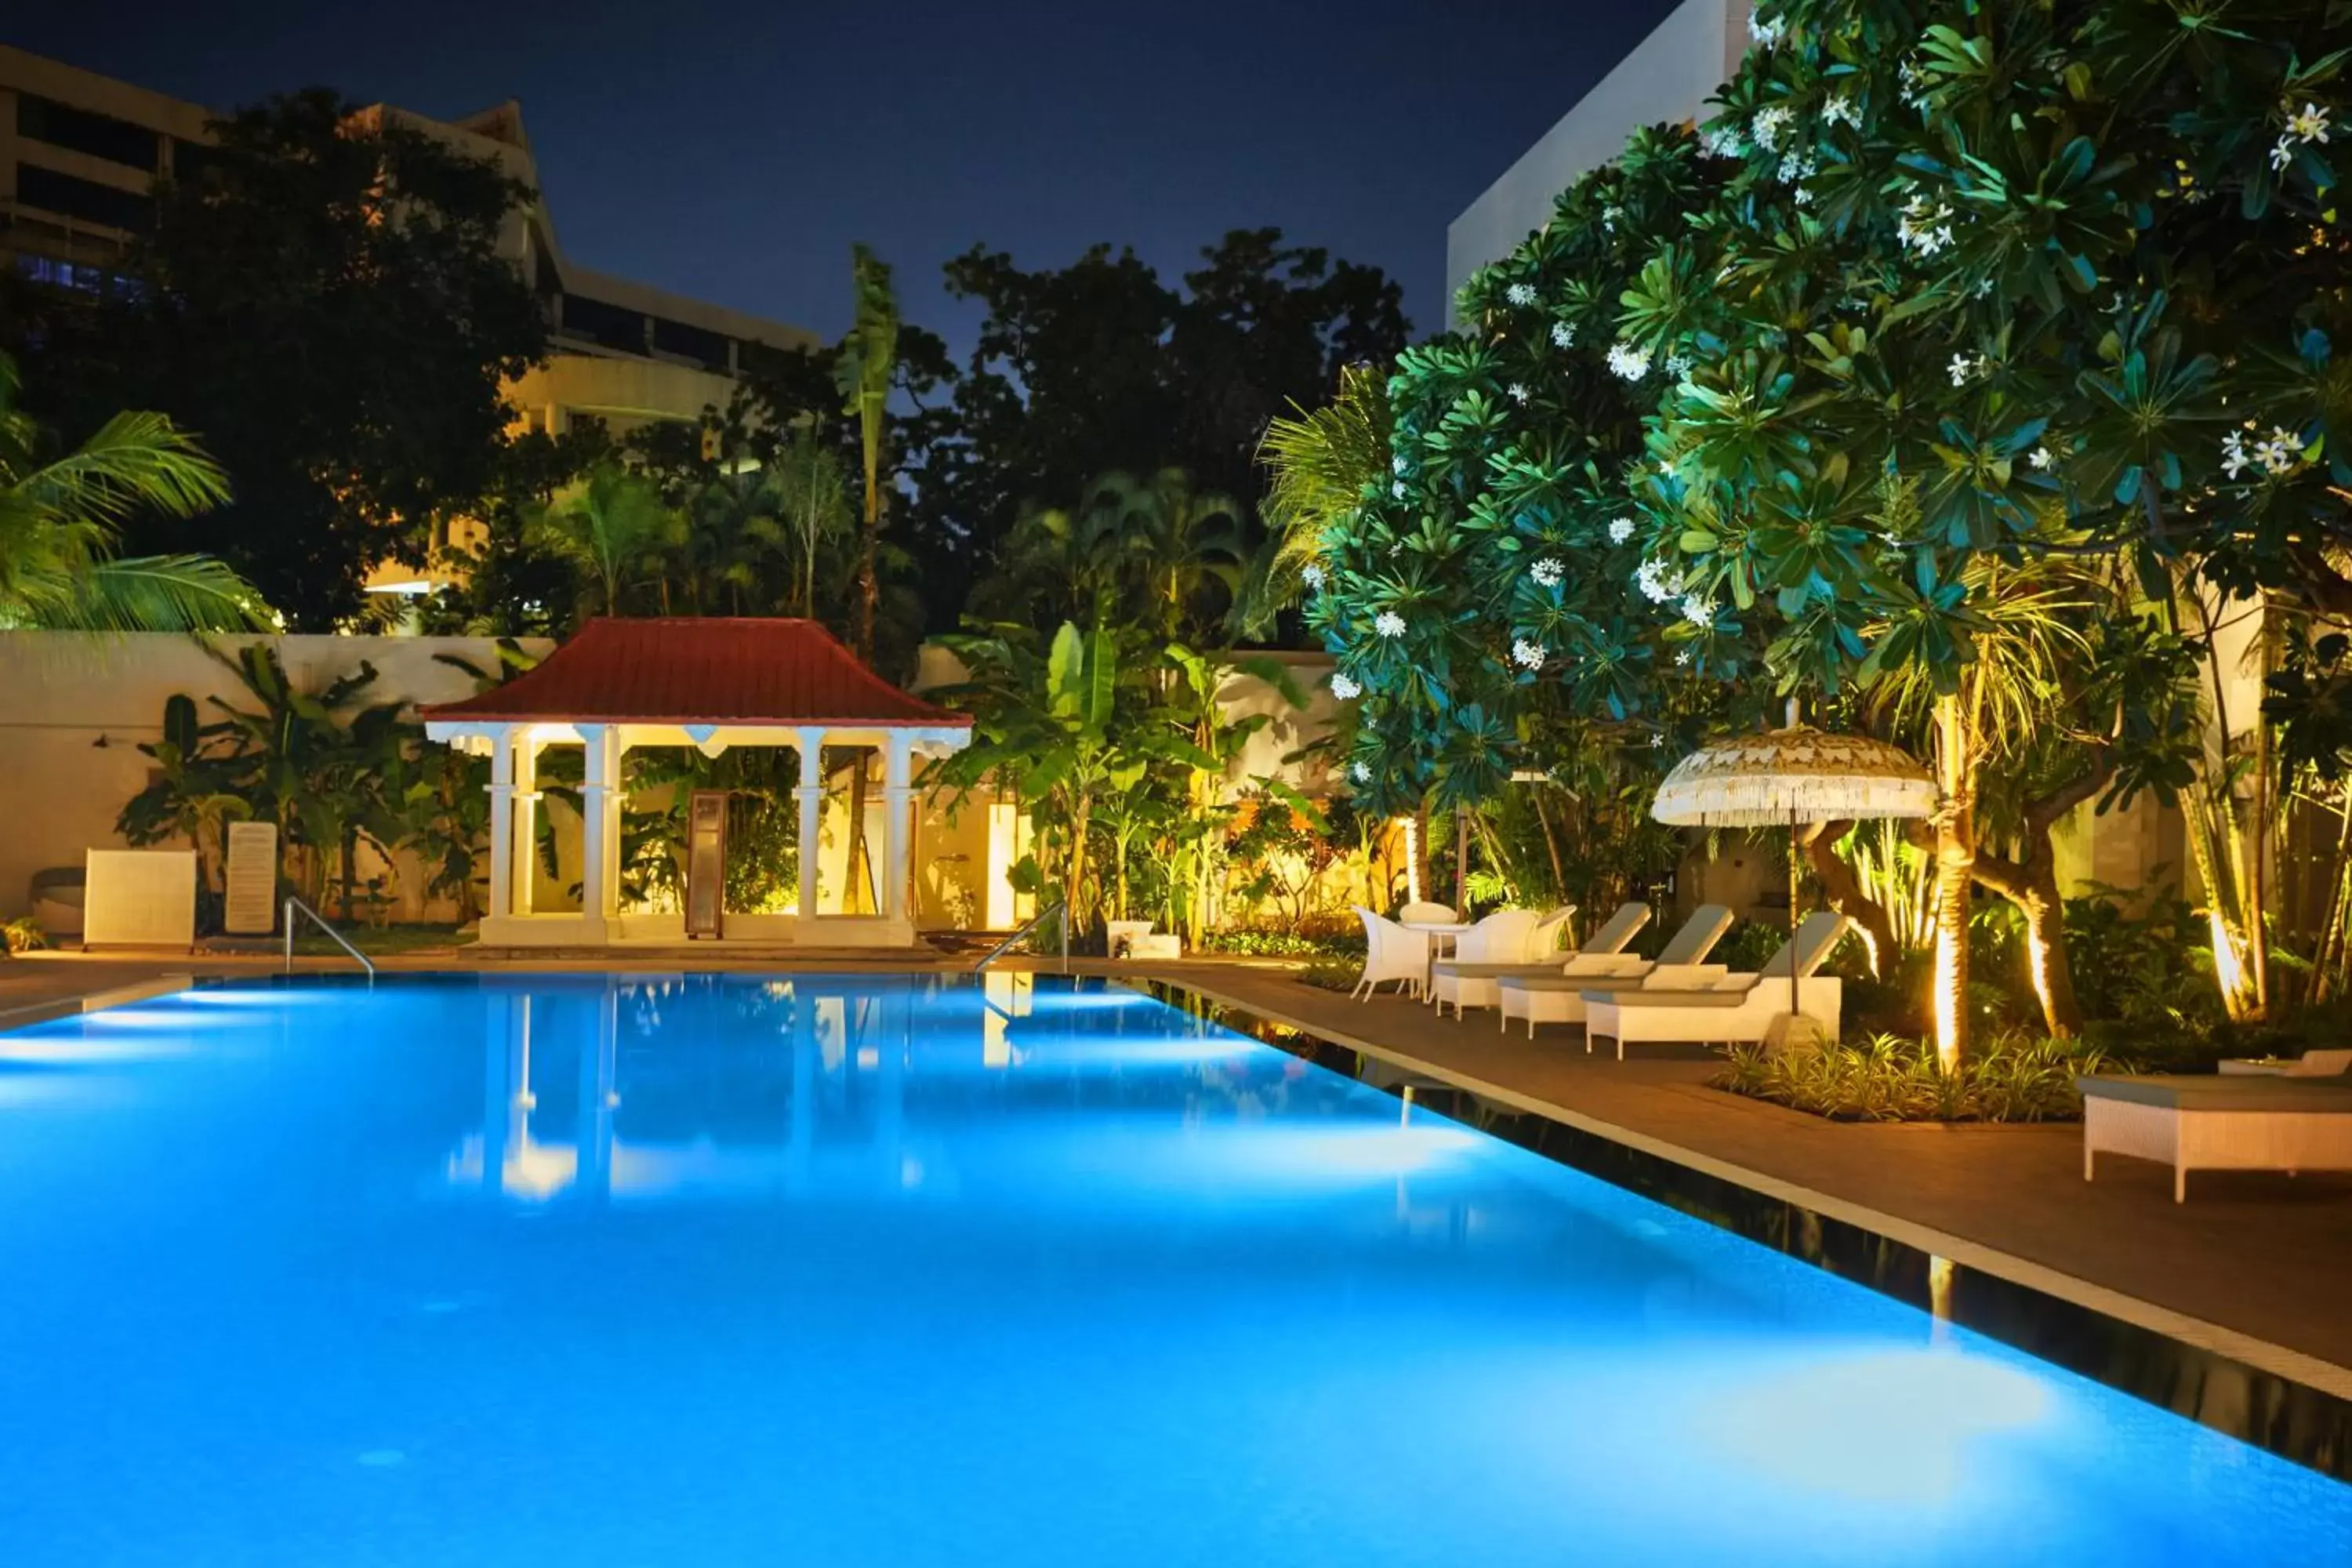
(2221, 1122)
(1729, 1009)
(1556, 996)
(1390, 952)
(1472, 980)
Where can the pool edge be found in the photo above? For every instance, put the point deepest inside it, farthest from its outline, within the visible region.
(2256, 1359)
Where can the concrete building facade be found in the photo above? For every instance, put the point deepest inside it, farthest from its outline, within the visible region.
(1667, 77)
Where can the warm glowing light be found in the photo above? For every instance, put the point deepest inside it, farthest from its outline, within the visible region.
(1947, 1002)
(1412, 858)
(2227, 967)
(2037, 960)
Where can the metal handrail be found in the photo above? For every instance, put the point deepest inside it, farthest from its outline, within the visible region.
(293, 904)
(1059, 910)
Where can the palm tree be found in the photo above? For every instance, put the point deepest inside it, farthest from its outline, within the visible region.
(1320, 464)
(869, 360)
(60, 520)
(1168, 543)
(608, 526)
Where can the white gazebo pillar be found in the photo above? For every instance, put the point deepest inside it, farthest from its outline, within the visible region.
(898, 795)
(502, 759)
(600, 831)
(522, 864)
(810, 795)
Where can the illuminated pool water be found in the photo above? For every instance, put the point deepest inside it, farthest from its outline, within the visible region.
(857, 1270)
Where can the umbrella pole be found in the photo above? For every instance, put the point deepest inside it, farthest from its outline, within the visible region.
(1792, 914)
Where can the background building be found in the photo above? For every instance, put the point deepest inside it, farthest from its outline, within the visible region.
(79, 157)
(1668, 77)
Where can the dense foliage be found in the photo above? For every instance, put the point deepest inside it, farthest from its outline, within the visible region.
(1964, 375)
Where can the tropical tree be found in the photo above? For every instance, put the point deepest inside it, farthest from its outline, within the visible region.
(813, 503)
(193, 794)
(1322, 465)
(612, 527)
(866, 371)
(1052, 724)
(61, 514)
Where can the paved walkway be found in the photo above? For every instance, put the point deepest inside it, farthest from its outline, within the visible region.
(2254, 1266)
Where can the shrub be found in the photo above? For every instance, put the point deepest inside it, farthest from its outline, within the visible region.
(1333, 973)
(1885, 1077)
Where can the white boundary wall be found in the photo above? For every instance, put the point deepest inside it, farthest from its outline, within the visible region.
(1669, 76)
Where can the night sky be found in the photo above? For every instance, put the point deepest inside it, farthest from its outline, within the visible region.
(733, 152)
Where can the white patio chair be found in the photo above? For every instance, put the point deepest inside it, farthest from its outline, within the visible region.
(1426, 912)
(1468, 981)
(1729, 1009)
(1390, 952)
(1557, 996)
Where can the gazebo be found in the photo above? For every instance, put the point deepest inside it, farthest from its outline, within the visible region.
(710, 683)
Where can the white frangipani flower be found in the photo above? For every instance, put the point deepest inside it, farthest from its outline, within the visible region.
(1389, 624)
(1763, 32)
(1517, 391)
(1529, 654)
(1519, 294)
(1609, 216)
(1678, 366)
(2311, 125)
(1563, 334)
(1629, 362)
(2234, 460)
(1361, 771)
(1698, 610)
(1396, 489)
(1344, 686)
(1682, 656)
(1311, 574)
(1658, 582)
(1923, 231)
(1721, 140)
(1621, 529)
(2282, 154)
(1843, 109)
(1548, 573)
(2041, 457)
(1795, 166)
(2280, 453)
(1962, 368)
(1767, 126)
(1399, 465)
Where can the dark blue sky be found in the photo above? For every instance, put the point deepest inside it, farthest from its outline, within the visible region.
(734, 151)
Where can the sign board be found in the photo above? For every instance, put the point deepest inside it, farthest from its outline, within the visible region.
(251, 908)
(705, 863)
(139, 898)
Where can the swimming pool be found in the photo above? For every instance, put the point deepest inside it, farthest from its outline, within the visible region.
(878, 1270)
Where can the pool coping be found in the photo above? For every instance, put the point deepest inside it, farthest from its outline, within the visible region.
(2319, 1389)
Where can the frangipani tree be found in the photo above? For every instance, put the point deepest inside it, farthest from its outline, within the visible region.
(1947, 290)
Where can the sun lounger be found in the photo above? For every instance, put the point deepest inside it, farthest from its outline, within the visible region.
(1557, 996)
(1733, 1009)
(2218, 1124)
(1472, 980)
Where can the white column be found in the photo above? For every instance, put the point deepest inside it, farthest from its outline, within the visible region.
(897, 794)
(811, 794)
(501, 820)
(524, 864)
(600, 828)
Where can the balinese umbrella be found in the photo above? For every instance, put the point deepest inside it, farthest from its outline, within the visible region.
(1794, 775)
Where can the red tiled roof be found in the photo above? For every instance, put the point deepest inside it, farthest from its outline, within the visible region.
(701, 670)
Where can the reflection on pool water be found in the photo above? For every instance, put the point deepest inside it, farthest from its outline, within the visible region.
(861, 1269)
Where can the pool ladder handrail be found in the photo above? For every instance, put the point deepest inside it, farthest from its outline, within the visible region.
(294, 904)
(1059, 911)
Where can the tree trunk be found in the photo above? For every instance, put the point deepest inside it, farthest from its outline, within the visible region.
(1843, 892)
(1955, 876)
(1460, 862)
(1551, 847)
(2032, 884)
(1423, 872)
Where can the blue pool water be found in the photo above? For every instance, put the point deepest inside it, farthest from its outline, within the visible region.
(856, 1269)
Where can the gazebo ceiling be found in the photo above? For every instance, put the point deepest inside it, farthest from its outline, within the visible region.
(752, 671)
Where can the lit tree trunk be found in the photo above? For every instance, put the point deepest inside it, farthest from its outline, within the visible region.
(1843, 892)
(2030, 882)
(1423, 872)
(1955, 876)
